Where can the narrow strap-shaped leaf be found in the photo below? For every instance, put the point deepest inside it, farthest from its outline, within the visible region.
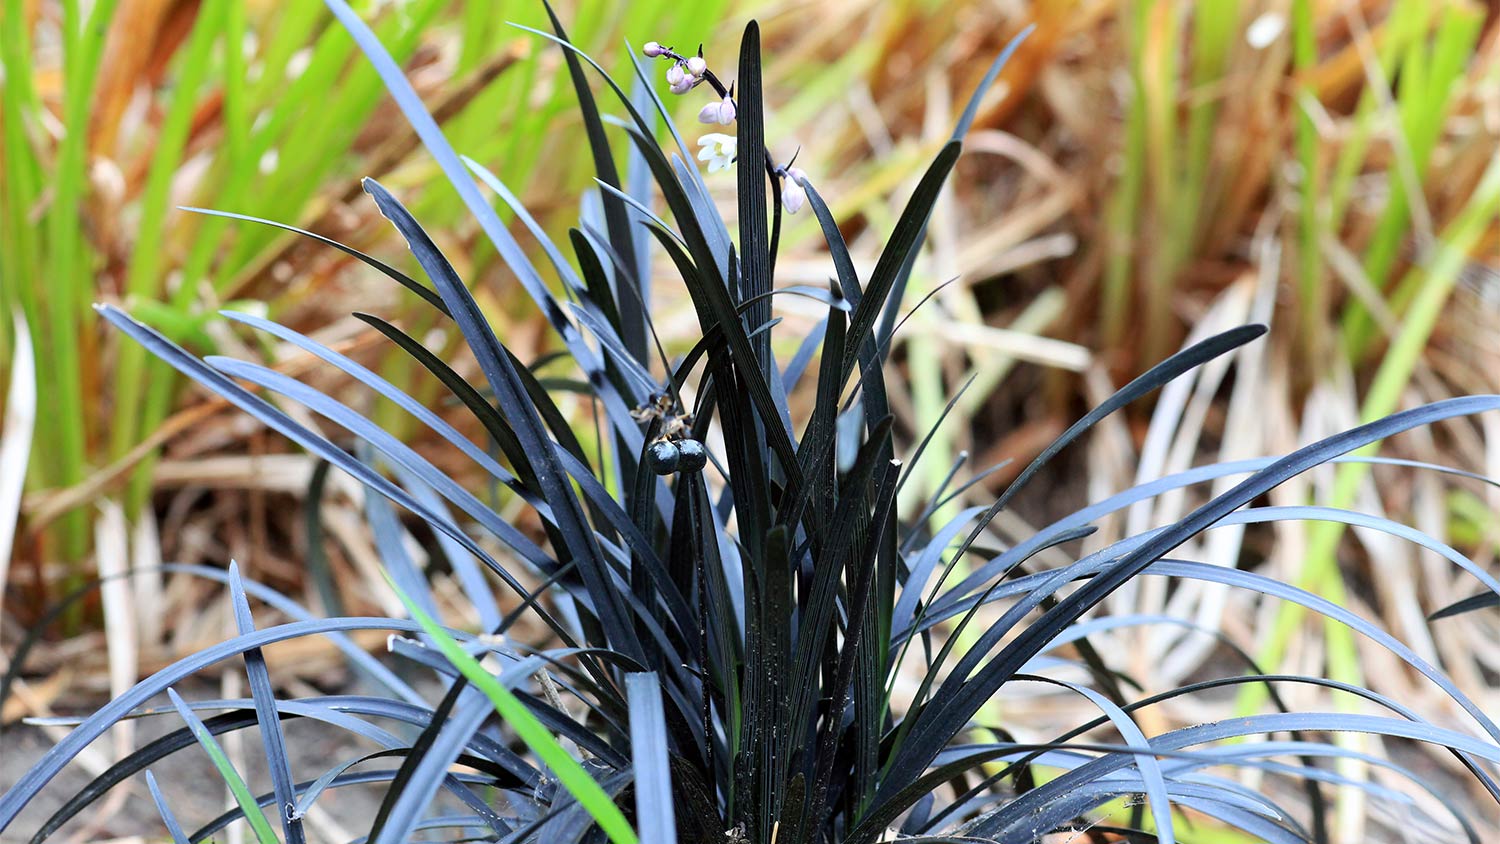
(705, 212)
(501, 374)
(1030, 639)
(816, 451)
(390, 391)
(1473, 603)
(1142, 492)
(1153, 378)
(1046, 805)
(838, 250)
(570, 774)
(1150, 380)
(911, 465)
(817, 621)
(927, 561)
(918, 526)
(1150, 769)
(873, 520)
(361, 660)
(638, 184)
(905, 240)
(712, 297)
(426, 128)
(330, 710)
(380, 777)
(319, 569)
(465, 823)
(871, 384)
(655, 809)
(657, 161)
(591, 739)
(418, 777)
(791, 375)
(280, 422)
(617, 219)
(626, 361)
(971, 109)
(391, 448)
(311, 793)
(31, 782)
(168, 819)
(463, 565)
(751, 179)
(641, 382)
(265, 713)
(694, 233)
(1256, 676)
(417, 410)
(390, 272)
(253, 814)
(570, 279)
(903, 636)
(335, 711)
(598, 497)
(965, 121)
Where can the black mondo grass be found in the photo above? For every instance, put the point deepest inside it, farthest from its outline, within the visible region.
(729, 600)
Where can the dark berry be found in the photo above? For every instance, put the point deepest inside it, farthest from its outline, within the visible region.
(693, 456)
(663, 456)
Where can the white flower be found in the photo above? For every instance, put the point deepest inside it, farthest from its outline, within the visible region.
(652, 49)
(718, 150)
(697, 66)
(792, 192)
(1264, 30)
(721, 112)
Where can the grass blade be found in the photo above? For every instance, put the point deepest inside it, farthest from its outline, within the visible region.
(253, 814)
(15, 441)
(569, 773)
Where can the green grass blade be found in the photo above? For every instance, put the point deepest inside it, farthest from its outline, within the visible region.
(569, 773)
(1320, 571)
(136, 375)
(242, 794)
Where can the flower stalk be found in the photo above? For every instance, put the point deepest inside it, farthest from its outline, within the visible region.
(718, 149)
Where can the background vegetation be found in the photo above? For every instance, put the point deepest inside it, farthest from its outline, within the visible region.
(1145, 172)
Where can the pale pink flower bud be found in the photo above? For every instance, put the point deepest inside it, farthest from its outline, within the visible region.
(679, 80)
(652, 50)
(793, 195)
(720, 112)
(697, 66)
